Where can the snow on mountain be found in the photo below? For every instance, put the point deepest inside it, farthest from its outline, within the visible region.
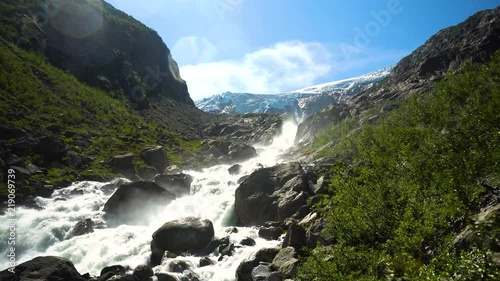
(302, 102)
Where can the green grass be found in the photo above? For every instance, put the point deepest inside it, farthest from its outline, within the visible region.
(36, 95)
(402, 187)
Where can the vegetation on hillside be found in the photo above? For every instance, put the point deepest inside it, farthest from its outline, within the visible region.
(404, 187)
(40, 98)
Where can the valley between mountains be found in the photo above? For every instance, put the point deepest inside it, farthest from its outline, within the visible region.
(392, 175)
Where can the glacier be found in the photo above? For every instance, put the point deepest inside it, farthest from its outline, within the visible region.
(301, 102)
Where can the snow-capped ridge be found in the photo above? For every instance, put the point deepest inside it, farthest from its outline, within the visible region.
(301, 103)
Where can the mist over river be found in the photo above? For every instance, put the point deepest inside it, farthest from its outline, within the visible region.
(45, 232)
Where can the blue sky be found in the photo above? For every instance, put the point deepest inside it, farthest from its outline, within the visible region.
(276, 46)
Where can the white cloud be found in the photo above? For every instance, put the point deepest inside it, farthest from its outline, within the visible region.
(281, 67)
(191, 49)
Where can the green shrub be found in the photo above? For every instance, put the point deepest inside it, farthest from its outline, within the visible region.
(412, 179)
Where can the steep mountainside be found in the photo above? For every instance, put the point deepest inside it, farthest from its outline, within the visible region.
(474, 40)
(81, 83)
(102, 46)
(108, 49)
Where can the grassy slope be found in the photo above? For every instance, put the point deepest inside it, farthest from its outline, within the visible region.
(404, 186)
(35, 95)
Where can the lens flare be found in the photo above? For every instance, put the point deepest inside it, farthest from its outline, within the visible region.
(174, 69)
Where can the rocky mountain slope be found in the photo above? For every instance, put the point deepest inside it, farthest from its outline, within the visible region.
(301, 103)
(474, 40)
(86, 90)
(107, 49)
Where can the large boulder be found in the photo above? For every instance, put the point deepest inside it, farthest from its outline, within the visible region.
(178, 184)
(179, 236)
(50, 148)
(244, 270)
(286, 261)
(155, 157)
(295, 237)
(272, 194)
(131, 200)
(123, 164)
(241, 152)
(143, 273)
(43, 268)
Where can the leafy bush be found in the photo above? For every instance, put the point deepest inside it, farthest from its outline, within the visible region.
(412, 180)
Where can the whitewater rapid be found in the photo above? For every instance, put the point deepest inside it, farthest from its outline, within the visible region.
(43, 232)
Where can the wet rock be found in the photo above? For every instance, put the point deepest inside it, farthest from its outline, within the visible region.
(232, 230)
(241, 152)
(165, 277)
(106, 276)
(178, 184)
(247, 242)
(272, 194)
(242, 179)
(270, 233)
(214, 245)
(143, 272)
(44, 268)
(126, 277)
(155, 157)
(235, 169)
(115, 269)
(45, 191)
(226, 250)
(172, 170)
(147, 173)
(206, 261)
(81, 228)
(178, 266)
(189, 275)
(244, 270)
(131, 199)
(108, 189)
(179, 236)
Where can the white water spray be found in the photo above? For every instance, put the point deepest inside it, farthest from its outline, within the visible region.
(43, 232)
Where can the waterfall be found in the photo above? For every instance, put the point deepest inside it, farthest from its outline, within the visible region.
(43, 232)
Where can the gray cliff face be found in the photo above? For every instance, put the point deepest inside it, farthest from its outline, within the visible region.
(106, 48)
(473, 40)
